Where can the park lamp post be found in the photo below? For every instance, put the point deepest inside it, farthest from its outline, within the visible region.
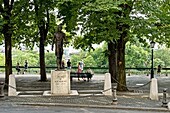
(152, 43)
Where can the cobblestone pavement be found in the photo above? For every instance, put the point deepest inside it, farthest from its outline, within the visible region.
(137, 99)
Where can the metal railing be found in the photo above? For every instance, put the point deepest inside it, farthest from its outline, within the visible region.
(36, 69)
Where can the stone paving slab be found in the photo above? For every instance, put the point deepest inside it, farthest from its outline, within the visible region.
(124, 102)
(89, 100)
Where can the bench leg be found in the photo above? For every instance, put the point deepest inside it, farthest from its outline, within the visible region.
(88, 79)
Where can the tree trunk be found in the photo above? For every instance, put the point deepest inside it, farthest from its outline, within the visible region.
(112, 61)
(41, 55)
(121, 64)
(8, 55)
(43, 34)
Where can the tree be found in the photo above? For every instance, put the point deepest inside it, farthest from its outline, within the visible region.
(14, 26)
(42, 13)
(39, 24)
(99, 19)
(21, 22)
(6, 7)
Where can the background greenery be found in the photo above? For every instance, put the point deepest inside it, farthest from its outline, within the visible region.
(136, 56)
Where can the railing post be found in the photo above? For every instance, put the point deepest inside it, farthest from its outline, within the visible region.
(164, 101)
(1, 89)
(114, 101)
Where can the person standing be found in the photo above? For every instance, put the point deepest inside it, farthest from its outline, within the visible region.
(79, 71)
(69, 64)
(159, 70)
(18, 68)
(82, 65)
(25, 66)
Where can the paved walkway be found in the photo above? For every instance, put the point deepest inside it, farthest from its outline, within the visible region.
(90, 93)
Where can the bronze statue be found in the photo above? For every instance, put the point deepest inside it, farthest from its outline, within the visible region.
(59, 37)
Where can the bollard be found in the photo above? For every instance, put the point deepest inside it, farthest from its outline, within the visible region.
(114, 101)
(164, 101)
(1, 89)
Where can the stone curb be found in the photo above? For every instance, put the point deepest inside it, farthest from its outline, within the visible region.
(98, 106)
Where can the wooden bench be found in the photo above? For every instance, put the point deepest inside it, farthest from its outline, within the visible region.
(82, 75)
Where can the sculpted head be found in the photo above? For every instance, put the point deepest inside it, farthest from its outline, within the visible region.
(59, 27)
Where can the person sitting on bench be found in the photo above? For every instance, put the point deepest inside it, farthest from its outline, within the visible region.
(90, 72)
(18, 68)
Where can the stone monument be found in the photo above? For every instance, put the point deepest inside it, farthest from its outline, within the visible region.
(60, 82)
(60, 78)
(107, 85)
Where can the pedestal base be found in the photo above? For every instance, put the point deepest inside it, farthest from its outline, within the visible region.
(48, 93)
(60, 82)
(154, 89)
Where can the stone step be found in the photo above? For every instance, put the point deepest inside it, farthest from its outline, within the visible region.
(30, 93)
(90, 91)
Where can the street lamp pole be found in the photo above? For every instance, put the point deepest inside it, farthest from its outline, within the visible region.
(152, 70)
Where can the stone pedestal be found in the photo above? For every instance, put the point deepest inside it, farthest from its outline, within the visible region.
(107, 85)
(169, 105)
(153, 89)
(12, 86)
(60, 82)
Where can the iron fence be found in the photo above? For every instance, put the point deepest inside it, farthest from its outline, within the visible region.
(129, 71)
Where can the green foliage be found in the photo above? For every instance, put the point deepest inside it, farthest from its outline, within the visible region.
(92, 58)
(163, 56)
(2, 60)
(74, 60)
(26, 17)
(50, 59)
(95, 19)
(151, 21)
(20, 57)
(89, 61)
(68, 11)
(99, 57)
(137, 56)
